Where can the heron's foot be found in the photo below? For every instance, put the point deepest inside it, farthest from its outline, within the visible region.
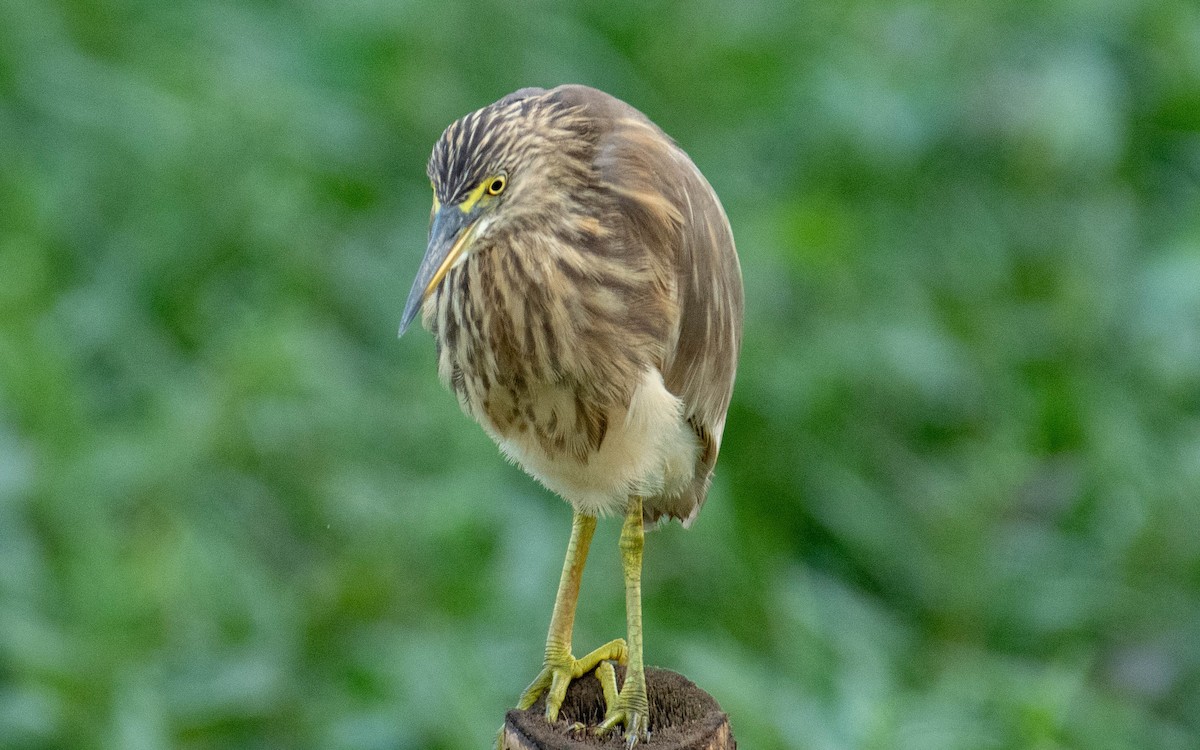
(630, 708)
(560, 669)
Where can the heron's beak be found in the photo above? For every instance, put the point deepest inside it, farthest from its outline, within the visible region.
(449, 239)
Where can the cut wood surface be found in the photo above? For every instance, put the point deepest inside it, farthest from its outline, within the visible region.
(682, 717)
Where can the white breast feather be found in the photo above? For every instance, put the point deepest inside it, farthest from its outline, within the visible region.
(649, 450)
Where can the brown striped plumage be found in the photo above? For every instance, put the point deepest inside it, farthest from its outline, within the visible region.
(588, 313)
(610, 255)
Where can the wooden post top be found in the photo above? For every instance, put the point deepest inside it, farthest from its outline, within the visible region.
(682, 717)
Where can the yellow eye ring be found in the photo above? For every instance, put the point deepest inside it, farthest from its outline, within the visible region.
(497, 184)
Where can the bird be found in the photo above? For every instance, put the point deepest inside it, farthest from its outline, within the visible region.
(584, 294)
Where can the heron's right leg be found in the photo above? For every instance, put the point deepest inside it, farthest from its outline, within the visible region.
(560, 667)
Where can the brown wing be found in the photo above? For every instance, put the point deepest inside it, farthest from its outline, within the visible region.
(675, 214)
(704, 356)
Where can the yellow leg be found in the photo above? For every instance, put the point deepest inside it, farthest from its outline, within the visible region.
(631, 709)
(560, 667)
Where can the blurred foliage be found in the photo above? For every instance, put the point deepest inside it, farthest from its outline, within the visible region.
(958, 501)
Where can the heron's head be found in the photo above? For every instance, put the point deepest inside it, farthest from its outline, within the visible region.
(500, 176)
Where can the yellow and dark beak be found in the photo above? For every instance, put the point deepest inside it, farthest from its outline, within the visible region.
(450, 238)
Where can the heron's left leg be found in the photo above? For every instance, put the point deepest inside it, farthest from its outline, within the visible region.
(560, 666)
(631, 708)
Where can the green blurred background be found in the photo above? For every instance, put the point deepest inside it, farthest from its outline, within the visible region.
(957, 505)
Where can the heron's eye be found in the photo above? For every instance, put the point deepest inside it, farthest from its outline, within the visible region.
(496, 186)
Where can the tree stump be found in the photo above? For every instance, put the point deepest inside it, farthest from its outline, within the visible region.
(682, 717)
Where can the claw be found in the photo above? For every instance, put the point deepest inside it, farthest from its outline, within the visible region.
(628, 708)
(557, 673)
(636, 724)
